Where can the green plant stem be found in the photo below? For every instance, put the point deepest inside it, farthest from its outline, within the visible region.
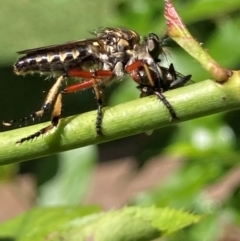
(180, 34)
(200, 99)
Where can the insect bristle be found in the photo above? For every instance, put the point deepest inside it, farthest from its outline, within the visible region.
(166, 53)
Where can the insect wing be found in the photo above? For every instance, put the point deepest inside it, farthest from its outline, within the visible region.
(60, 47)
(179, 79)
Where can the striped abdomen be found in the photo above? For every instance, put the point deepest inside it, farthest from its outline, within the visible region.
(56, 61)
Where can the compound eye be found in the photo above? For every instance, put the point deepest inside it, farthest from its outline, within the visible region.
(150, 45)
(153, 45)
(152, 42)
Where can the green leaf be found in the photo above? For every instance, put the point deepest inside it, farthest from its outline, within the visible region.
(40, 222)
(130, 223)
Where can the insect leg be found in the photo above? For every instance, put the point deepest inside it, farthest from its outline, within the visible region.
(90, 74)
(159, 94)
(167, 104)
(77, 87)
(102, 77)
(133, 70)
(97, 78)
(153, 88)
(98, 94)
(50, 99)
(54, 121)
(134, 66)
(94, 83)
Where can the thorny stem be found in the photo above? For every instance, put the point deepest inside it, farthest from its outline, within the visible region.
(179, 33)
(138, 116)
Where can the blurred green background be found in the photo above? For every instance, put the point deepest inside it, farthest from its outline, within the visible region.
(206, 178)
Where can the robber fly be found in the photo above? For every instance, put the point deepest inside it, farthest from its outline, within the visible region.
(110, 54)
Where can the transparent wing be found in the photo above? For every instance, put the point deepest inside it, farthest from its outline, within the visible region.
(60, 47)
